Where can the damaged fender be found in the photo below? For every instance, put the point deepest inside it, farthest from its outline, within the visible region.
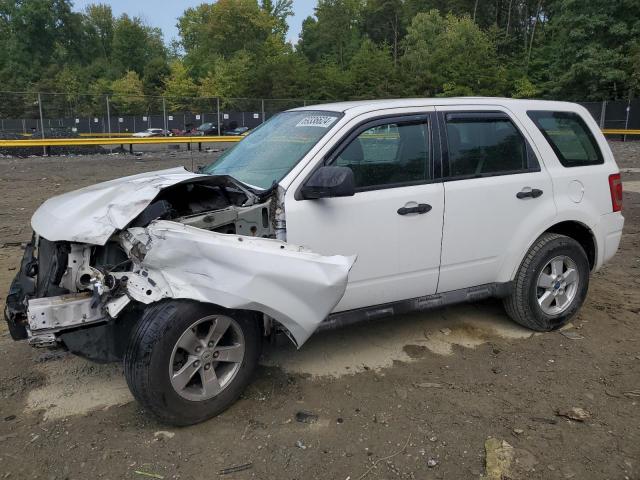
(291, 284)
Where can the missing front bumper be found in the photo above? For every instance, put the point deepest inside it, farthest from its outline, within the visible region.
(57, 313)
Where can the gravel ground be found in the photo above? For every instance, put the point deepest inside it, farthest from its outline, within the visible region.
(432, 395)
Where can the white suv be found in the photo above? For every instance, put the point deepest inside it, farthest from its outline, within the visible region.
(323, 216)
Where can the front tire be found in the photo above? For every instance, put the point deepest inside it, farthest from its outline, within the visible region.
(188, 361)
(551, 284)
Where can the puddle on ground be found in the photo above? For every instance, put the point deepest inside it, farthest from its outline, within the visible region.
(75, 386)
(377, 345)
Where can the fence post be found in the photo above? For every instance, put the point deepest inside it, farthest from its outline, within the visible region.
(603, 114)
(44, 148)
(164, 114)
(108, 115)
(218, 115)
(263, 110)
(626, 120)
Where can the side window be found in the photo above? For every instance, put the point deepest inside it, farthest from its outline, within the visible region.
(569, 136)
(482, 144)
(389, 154)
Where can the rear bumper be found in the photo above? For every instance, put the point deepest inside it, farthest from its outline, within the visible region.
(609, 232)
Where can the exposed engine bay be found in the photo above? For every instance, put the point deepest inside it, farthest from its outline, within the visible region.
(215, 206)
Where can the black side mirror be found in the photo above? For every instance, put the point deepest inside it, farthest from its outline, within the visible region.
(329, 181)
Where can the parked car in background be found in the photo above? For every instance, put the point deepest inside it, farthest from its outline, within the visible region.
(238, 131)
(152, 132)
(208, 128)
(322, 217)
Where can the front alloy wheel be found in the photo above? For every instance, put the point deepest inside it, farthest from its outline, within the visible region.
(188, 361)
(206, 357)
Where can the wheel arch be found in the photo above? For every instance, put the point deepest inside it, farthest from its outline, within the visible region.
(581, 234)
(572, 228)
(267, 324)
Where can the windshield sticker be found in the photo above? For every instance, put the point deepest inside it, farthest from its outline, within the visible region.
(322, 121)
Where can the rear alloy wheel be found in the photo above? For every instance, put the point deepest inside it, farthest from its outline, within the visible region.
(557, 285)
(551, 284)
(188, 361)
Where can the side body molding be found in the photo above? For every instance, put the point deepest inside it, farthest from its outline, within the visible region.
(291, 284)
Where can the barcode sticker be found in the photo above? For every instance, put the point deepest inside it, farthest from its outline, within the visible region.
(322, 121)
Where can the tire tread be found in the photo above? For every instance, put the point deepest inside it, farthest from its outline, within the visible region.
(157, 320)
(516, 304)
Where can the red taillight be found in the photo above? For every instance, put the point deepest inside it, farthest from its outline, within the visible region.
(615, 185)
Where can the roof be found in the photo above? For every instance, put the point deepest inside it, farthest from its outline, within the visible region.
(363, 106)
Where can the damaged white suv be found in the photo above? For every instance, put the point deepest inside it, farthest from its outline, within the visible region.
(321, 217)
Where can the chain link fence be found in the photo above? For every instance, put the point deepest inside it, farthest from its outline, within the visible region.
(56, 115)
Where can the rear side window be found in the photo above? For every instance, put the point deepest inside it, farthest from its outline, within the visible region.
(569, 136)
(485, 144)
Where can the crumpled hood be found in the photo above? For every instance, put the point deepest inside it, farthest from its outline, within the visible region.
(93, 214)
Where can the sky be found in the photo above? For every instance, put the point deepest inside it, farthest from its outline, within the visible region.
(164, 13)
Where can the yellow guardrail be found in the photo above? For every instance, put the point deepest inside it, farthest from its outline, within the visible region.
(620, 131)
(129, 140)
(64, 142)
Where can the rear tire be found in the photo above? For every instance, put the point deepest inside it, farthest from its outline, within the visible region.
(188, 361)
(551, 284)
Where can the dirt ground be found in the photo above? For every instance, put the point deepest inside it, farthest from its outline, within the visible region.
(412, 397)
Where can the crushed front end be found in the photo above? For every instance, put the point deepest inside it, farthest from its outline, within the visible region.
(92, 268)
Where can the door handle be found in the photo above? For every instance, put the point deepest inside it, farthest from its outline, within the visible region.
(420, 209)
(529, 193)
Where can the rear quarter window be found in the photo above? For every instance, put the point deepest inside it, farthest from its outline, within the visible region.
(569, 136)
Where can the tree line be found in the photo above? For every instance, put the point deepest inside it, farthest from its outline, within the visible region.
(350, 49)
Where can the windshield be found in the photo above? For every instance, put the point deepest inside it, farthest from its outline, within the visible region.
(274, 148)
(205, 126)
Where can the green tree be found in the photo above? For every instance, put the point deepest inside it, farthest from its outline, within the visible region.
(99, 23)
(179, 87)
(229, 78)
(450, 56)
(524, 88)
(334, 35)
(585, 51)
(135, 44)
(128, 95)
(279, 11)
(35, 35)
(222, 29)
(383, 21)
(371, 72)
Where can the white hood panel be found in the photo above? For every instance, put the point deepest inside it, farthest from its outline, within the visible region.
(93, 214)
(291, 284)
